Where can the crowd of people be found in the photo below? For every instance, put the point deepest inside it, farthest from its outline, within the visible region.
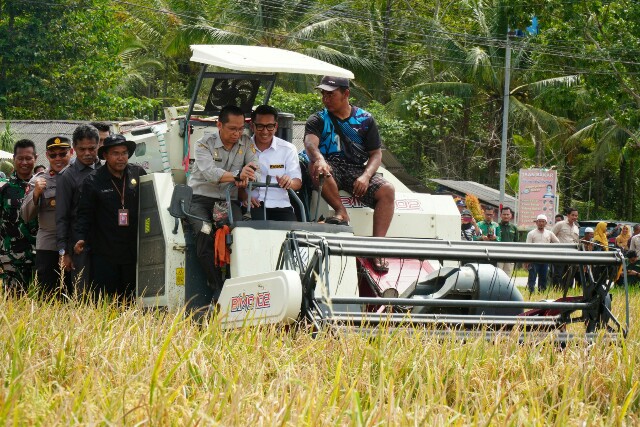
(564, 230)
(73, 225)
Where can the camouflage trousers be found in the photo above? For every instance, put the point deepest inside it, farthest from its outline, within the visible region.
(16, 274)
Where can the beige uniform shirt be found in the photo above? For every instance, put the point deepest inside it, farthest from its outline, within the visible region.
(567, 233)
(45, 209)
(212, 160)
(544, 236)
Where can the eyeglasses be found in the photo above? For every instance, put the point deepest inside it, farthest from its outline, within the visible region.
(60, 154)
(234, 130)
(269, 126)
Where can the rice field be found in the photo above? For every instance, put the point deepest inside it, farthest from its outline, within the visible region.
(70, 363)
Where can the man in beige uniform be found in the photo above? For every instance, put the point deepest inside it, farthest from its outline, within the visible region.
(567, 231)
(221, 159)
(40, 200)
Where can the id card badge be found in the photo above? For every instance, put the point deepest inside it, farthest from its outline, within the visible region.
(123, 217)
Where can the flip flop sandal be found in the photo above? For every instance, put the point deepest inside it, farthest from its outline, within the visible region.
(336, 220)
(380, 265)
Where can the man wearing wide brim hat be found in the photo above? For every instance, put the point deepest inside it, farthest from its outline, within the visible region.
(108, 218)
(40, 202)
(116, 140)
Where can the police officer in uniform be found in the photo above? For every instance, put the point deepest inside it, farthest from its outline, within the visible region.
(220, 159)
(108, 218)
(18, 237)
(85, 145)
(40, 202)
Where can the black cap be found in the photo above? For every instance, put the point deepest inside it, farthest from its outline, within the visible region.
(331, 83)
(114, 141)
(58, 142)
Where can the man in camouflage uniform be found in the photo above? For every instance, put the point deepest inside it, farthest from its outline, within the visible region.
(18, 237)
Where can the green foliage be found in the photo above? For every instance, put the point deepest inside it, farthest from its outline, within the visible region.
(56, 57)
(301, 105)
(436, 69)
(7, 139)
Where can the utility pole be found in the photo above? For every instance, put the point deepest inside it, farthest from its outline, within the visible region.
(505, 120)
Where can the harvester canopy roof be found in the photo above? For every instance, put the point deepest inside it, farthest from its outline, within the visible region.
(261, 59)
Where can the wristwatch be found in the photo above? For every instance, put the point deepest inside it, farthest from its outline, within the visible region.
(236, 176)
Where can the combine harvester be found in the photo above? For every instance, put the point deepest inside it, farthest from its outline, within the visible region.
(284, 272)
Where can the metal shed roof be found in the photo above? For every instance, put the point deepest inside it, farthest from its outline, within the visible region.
(260, 59)
(40, 130)
(485, 194)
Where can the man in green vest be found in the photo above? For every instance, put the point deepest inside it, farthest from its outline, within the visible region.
(489, 228)
(508, 233)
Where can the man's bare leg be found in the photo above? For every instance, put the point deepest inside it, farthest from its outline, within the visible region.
(331, 195)
(383, 212)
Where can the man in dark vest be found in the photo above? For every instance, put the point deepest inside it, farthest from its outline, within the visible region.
(108, 218)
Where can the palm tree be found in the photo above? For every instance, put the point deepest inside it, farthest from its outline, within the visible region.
(303, 26)
(476, 74)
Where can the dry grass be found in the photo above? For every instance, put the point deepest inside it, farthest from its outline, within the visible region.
(69, 363)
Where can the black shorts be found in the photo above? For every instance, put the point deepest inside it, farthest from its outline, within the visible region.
(345, 174)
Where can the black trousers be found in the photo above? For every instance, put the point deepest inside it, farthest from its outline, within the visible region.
(81, 276)
(113, 279)
(48, 272)
(273, 214)
(202, 206)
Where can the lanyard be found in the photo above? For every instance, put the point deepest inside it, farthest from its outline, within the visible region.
(121, 193)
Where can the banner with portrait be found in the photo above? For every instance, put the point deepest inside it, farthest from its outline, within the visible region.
(537, 194)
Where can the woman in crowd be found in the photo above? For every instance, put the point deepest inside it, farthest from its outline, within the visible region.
(600, 237)
(622, 241)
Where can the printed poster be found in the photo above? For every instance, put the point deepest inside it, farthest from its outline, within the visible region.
(536, 195)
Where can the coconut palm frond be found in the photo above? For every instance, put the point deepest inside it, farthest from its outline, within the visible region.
(340, 59)
(538, 86)
(589, 130)
(541, 122)
(317, 27)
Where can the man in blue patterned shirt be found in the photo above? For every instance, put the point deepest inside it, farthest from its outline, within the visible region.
(343, 143)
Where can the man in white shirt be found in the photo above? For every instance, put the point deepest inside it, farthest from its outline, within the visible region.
(567, 231)
(634, 241)
(279, 160)
(539, 235)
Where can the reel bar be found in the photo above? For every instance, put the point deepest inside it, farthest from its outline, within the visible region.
(418, 302)
(427, 249)
(446, 319)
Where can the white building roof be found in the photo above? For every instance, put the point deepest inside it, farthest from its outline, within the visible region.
(260, 59)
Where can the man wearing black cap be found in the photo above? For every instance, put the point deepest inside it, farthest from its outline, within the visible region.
(18, 237)
(85, 144)
(40, 202)
(108, 218)
(343, 144)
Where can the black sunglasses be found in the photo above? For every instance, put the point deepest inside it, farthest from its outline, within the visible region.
(59, 154)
